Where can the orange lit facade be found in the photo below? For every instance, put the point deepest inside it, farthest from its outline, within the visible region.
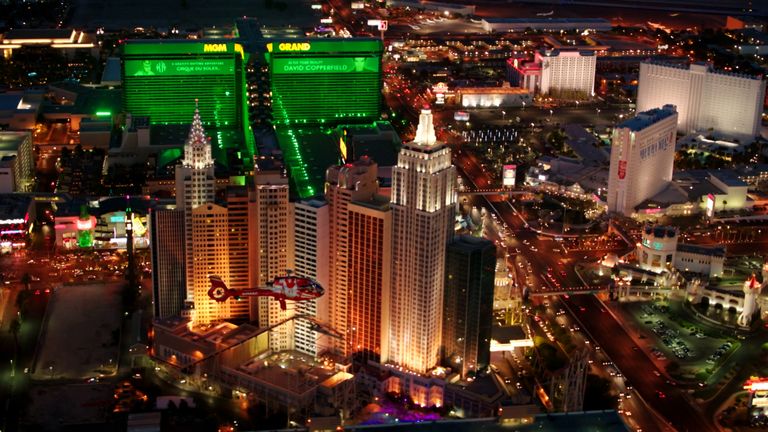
(210, 256)
(368, 277)
(273, 228)
(350, 182)
(241, 274)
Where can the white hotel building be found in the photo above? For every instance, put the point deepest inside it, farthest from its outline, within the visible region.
(311, 237)
(728, 104)
(567, 70)
(642, 158)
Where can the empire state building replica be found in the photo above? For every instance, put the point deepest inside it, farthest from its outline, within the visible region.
(423, 208)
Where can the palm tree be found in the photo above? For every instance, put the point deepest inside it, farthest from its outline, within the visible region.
(26, 279)
(15, 328)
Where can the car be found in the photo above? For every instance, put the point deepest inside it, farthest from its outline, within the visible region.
(660, 394)
(655, 372)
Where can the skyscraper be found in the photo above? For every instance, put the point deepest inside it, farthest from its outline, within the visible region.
(210, 256)
(195, 186)
(423, 206)
(369, 276)
(166, 230)
(729, 104)
(274, 244)
(642, 158)
(240, 209)
(468, 303)
(351, 182)
(311, 230)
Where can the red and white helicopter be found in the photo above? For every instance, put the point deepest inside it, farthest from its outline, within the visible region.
(282, 288)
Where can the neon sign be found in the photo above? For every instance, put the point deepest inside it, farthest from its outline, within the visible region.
(215, 47)
(295, 46)
(756, 384)
(84, 225)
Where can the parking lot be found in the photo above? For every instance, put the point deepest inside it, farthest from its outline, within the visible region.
(678, 340)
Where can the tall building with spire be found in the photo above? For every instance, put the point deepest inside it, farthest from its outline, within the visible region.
(195, 186)
(423, 208)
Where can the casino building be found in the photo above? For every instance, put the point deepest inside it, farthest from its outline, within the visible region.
(317, 81)
(160, 75)
(642, 158)
(163, 79)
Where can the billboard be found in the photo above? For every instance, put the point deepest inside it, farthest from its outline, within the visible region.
(461, 116)
(171, 67)
(312, 65)
(710, 205)
(508, 175)
(622, 171)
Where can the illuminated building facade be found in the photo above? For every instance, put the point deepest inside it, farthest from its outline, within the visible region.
(274, 245)
(195, 186)
(642, 158)
(423, 206)
(316, 81)
(729, 104)
(468, 304)
(311, 231)
(17, 162)
(161, 76)
(344, 184)
(241, 249)
(369, 276)
(656, 250)
(167, 240)
(210, 256)
(563, 71)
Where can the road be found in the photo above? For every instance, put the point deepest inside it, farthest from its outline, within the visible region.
(664, 397)
(545, 271)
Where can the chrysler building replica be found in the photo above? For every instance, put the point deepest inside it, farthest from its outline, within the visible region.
(195, 186)
(423, 206)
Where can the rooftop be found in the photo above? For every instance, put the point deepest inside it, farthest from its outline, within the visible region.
(28, 33)
(10, 141)
(14, 206)
(548, 20)
(593, 421)
(718, 251)
(729, 178)
(647, 118)
(506, 334)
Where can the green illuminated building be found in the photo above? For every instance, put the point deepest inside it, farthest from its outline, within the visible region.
(325, 81)
(162, 79)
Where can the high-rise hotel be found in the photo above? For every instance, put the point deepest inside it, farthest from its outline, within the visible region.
(728, 104)
(195, 186)
(423, 206)
(345, 183)
(642, 158)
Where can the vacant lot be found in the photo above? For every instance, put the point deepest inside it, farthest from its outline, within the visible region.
(81, 336)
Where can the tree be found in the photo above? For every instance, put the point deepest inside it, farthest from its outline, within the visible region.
(26, 279)
(15, 328)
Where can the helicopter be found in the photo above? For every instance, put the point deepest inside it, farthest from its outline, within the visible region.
(282, 288)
